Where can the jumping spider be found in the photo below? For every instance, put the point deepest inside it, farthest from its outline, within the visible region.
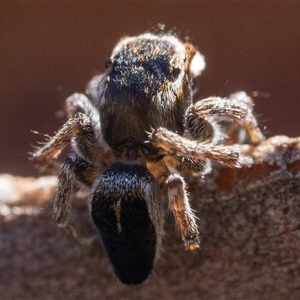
(131, 134)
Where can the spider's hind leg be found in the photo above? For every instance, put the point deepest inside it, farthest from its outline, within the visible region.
(74, 170)
(184, 215)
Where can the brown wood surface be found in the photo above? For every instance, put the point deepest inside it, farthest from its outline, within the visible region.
(250, 239)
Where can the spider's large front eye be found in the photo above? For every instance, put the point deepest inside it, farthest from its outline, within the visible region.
(126, 222)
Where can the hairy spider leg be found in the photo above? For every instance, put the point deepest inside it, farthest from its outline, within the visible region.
(80, 131)
(74, 170)
(185, 218)
(238, 108)
(178, 146)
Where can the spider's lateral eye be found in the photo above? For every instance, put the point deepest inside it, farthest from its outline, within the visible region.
(176, 71)
(108, 64)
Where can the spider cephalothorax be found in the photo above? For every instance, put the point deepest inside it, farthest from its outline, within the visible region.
(131, 134)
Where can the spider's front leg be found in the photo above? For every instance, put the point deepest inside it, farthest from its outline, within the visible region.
(180, 147)
(83, 129)
(238, 108)
(73, 127)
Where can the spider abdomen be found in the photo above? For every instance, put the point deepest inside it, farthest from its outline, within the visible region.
(121, 214)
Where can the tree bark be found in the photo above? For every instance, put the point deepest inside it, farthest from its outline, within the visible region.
(250, 238)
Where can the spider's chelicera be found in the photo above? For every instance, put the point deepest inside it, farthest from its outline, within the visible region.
(133, 132)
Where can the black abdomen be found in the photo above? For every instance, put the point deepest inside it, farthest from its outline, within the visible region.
(122, 218)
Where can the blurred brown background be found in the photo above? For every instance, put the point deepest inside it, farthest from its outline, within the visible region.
(50, 50)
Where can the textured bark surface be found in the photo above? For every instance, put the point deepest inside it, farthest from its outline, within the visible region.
(250, 239)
